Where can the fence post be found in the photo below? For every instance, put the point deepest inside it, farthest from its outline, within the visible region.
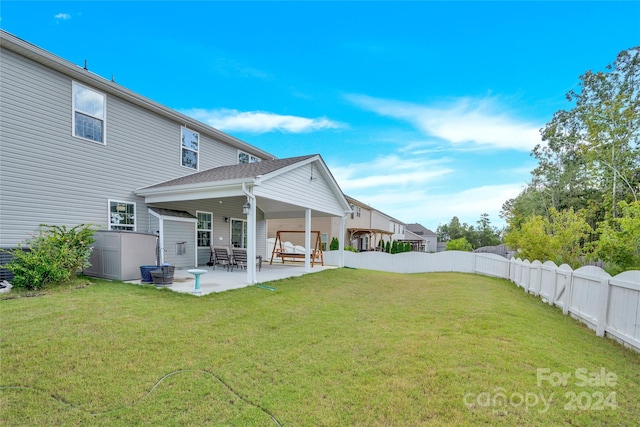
(569, 292)
(604, 306)
(554, 288)
(538, 289)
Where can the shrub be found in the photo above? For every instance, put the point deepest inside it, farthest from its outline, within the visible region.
(54, 255)
(460, 244)
(619, 243)
(351, 249)
(334, 245)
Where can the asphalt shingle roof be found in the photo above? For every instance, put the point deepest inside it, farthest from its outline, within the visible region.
(225, 173)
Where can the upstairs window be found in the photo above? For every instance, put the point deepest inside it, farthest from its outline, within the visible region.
(89, 113)
(358, 211)
(204, 228)
(189, 148)
(247, 158)
(122, 215)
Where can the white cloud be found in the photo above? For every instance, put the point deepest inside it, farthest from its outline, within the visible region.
(464, 121)
(62, 16)
(389, 171)
(230, 120)
(430, 210)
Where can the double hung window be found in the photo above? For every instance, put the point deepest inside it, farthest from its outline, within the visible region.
(189, 148)
(122, 215)
(246, 158)
(89, 113)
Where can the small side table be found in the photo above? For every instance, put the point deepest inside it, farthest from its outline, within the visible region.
(197, 272)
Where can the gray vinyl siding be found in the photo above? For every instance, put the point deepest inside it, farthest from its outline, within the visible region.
(297, 188)
(49, 176)
(176, 232)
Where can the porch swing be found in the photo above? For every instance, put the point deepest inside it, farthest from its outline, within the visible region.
(279, 251)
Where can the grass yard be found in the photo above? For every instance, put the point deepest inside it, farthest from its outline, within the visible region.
(338, 348)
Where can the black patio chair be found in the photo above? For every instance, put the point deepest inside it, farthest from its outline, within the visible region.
(222, 257)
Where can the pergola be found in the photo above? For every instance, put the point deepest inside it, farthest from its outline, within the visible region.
(373, 234)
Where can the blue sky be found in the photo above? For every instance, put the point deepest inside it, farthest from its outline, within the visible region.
(424, 110)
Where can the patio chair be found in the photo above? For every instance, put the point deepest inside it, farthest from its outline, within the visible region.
(240, 259)
(222, 257)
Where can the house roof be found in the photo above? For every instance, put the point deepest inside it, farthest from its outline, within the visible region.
(171, 213)
(231, 172)
(282, 187)
(419, 230)
(412, 237)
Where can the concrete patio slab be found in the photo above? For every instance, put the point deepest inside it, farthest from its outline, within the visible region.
(220, 279)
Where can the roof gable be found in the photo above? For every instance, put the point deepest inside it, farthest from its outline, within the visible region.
(243, 171)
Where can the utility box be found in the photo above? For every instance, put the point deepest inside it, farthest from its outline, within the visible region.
(118, 255)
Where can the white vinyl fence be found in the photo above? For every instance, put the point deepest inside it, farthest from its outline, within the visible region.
(609, 305)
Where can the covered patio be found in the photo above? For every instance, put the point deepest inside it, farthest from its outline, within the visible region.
(252, 194)
(221, 279)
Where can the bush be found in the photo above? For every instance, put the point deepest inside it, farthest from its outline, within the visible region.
(351, 249)
(460, 244)
(334, 245)
(55, 254)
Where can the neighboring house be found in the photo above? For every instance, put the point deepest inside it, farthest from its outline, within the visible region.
(430, 238)
(365, 227)
(418, 243)
(76, 148)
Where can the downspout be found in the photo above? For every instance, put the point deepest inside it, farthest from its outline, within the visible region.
(251, 236)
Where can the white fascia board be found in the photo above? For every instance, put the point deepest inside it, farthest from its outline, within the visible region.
(289, 168)
(172, 218)
(197, 191)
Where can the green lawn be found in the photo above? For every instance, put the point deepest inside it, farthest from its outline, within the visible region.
(338, 348)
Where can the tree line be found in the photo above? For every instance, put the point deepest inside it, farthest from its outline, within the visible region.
(582, 201)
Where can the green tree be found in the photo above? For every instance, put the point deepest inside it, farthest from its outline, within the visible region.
(608, 109)
(590, 159)
(559, 238)
(334, 245)
(486, 234)
(591, 152)
(619, 243)
(460, 244)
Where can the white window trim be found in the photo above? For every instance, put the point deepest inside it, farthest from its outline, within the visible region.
(182, 147)
(252, 158)
(73, 114)
(135, 215)
(210, 230)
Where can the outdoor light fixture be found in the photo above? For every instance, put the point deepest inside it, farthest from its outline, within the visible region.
(226, 219)
(245, 208)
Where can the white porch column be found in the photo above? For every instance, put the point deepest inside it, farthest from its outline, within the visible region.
(251, 243)
(251, 236)
(341, 242)
(307, 240)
